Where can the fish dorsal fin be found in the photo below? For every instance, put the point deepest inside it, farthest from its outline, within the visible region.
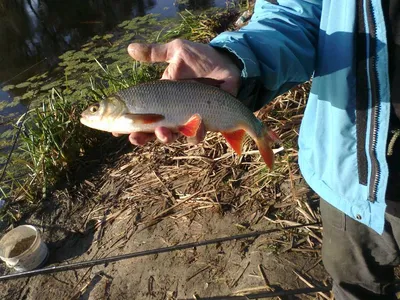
(144, 118)
(235, 139)
(191, 127)
(205, 80)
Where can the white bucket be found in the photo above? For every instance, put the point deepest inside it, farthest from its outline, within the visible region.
(23, 249)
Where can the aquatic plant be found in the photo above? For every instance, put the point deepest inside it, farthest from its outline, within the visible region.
(23, 85)
(8, 87)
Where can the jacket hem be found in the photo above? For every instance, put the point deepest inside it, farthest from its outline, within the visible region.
(365, 212)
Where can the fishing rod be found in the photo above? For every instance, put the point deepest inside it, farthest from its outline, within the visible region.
(279, 293)
(263, 295)
(22, 72)
(16, 137)
(106, 260)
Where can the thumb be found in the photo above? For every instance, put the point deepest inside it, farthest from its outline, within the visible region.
(149, 52)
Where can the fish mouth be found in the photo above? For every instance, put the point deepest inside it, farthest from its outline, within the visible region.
(83, 121)
(88, 123)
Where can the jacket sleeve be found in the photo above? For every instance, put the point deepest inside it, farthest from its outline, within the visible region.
(277, 48)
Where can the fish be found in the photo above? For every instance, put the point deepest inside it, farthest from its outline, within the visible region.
(181, 106)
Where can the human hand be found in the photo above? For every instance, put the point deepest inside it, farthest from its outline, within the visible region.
(186, 60)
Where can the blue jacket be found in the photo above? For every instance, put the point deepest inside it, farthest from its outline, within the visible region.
(342, 154)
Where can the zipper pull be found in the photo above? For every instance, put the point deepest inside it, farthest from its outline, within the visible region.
(396, 135)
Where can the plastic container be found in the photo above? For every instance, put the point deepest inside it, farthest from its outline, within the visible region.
(23, 249)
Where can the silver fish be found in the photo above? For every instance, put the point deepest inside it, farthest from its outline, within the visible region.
(180, 106)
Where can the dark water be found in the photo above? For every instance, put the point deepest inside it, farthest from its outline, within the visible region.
(32, 30)
(33, 33)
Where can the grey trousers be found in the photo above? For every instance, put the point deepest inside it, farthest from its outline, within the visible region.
(360, 261)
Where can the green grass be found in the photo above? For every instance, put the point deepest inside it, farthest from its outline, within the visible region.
(201, 27)
(53, 138)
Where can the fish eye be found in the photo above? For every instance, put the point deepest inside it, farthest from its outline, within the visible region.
(94, 108)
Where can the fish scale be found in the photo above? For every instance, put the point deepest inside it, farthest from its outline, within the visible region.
(179, 100)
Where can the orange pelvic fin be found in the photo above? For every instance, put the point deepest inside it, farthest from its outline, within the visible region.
(235, 139)
(264, 146)
(191, 127)
(145, 118)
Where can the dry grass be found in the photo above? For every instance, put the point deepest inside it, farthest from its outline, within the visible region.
(180, 179)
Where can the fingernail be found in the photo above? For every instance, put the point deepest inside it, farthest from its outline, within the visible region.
(134, 140)
(165, 139)
(131, 48)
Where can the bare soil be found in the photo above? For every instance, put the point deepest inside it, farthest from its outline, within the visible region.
(214, 270)
(91, 221)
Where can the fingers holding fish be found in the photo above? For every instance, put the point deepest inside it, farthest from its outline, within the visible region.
(140, 138)
(164, 135)
(187, 60)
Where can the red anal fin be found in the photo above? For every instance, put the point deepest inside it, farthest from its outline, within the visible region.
(235, 139)
(191, 127)
(145, 118)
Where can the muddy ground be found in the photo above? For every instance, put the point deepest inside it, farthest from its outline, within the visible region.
(139, 200)
(214, 270)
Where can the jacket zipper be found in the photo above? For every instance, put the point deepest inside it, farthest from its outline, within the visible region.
(375, 168)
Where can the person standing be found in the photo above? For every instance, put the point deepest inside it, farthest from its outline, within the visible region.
(348, 152)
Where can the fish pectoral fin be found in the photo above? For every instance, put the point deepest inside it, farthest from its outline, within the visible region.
(235, 139)
(144, 118)
(191, 127)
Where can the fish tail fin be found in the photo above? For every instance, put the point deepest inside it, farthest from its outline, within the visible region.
(264, 141)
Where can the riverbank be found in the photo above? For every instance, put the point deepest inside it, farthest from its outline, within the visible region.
(53, 140)
(119, 198)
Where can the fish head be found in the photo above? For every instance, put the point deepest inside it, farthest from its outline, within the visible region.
(104, 114)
